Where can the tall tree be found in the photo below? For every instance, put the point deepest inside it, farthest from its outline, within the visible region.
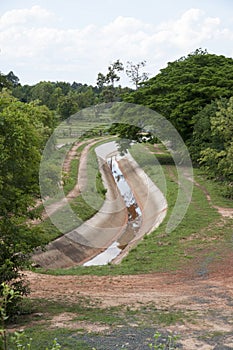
(113, 71)
(106, 82)
(133, 72)
(101, 80)
(4, 82)
(13, 79)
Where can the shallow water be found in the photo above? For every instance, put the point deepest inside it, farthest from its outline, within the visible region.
(134, 217)
(134, 212)
(105, 257)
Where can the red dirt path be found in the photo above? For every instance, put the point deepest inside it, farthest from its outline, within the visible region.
(210, 297)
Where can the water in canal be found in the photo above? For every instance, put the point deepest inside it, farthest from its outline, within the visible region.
(134, 217)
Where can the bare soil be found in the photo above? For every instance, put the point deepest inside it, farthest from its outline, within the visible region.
(210, 298)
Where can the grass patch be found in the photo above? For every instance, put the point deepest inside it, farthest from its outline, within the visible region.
(66, 219)
(72, 176)
(48, 231)
(214, 336)
(149, 316)
(83, 309)
(41, 328)
(99, 185)
(42, 338)
(82, 209)
(215, 189)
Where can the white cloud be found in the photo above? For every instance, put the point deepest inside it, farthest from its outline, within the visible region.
(23, 16)
(190, 30)
(122, 25)
(31, 38)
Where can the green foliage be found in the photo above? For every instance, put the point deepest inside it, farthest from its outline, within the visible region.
(127, 133)
(106, 82)
(62, 97)
(16, 243)
(7, 296)
(67, 106)
(86, 98)
(111, 76)
(185, 86)
(212, 144)
(18, 340)
(24, 130)
(202, 136)
(4, 82)
(22, 93)
(164, 343)
(47, 93)
(130, 132)
(12, 79)
(219, 156)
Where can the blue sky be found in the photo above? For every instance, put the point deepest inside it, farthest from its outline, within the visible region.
(73, 40)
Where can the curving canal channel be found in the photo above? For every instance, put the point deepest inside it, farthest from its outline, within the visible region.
(134, 206)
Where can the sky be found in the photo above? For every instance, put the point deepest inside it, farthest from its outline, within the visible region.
(74, 40)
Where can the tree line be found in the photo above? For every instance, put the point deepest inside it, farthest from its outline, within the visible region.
(66, 98)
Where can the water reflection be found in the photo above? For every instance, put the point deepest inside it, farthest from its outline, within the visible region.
(134, 212)
(129, 199)
(134, 217)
